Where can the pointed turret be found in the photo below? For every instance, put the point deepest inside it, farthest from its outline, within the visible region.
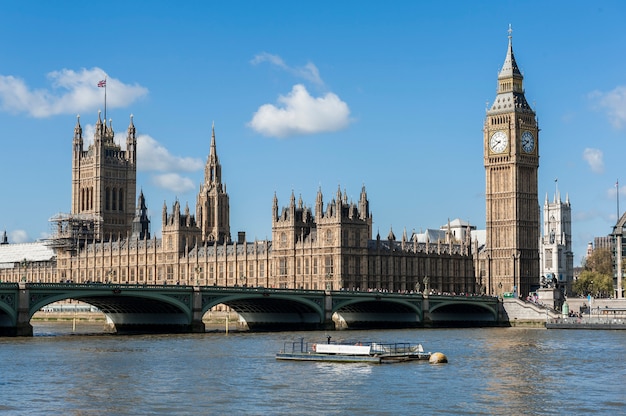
(510, 85)
(131, 141)
(363, 204)
(319, 204)
(213, 169)
(510, 68)
(275, 208)
(141, 222)
(212, 206)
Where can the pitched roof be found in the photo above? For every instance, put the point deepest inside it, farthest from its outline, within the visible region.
(15, 253)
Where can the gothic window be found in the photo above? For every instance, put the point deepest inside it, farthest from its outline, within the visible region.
(548, 258)
(251, 270)
(315, 266)
(329, 236)
(328, 265)
(262, 270)
(107, 199)
(170, 272)
(298, 267)
(114, 200)
(306, 266)
(282, 267)
(283, 239)
(121, 201)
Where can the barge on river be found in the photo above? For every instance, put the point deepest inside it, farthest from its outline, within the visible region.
(369, 352)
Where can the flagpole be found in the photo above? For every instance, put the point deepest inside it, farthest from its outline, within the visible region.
(617, 189)
(105, 100)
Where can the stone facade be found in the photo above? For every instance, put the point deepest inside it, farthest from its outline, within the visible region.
(329, 247)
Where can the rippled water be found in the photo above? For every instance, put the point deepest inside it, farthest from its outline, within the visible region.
(491, 371)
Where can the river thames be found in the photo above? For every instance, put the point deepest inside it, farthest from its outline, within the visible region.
(490, 372)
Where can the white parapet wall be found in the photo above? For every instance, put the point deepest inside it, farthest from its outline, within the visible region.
(520, 311)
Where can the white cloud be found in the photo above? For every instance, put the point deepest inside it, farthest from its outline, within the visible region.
(308, 72)
(71, 92)
(300, 114)
(18, 236)
(152, 156)
(173, 182)
(614, 102)
(594, 159)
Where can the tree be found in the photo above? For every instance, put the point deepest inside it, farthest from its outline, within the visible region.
(600, 261)
(594, 284)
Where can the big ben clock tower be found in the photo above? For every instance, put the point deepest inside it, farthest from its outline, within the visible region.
(511, 157)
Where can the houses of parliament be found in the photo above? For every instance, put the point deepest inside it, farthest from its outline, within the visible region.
(330, 246)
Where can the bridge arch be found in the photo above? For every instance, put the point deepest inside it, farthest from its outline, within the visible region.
(272, 309)
(356, 311)
(463, 310)
(126, 308)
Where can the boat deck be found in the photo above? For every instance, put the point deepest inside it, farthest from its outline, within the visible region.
(371, 352)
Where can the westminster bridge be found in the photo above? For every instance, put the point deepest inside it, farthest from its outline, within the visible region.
(177, 309)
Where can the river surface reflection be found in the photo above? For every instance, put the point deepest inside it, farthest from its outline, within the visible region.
(491, 372)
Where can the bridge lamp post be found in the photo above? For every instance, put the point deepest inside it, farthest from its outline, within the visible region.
(329, 283)
(515, 283)
(198, 270)
(24, 265)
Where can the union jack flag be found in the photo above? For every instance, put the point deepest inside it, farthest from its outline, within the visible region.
(102, 83)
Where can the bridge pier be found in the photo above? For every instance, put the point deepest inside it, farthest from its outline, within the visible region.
(328, 323)
(197, 325)
(427, 320)
(23, 328)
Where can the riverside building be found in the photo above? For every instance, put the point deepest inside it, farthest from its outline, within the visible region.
(107, 237)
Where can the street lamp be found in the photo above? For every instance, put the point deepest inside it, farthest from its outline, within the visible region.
(198, 270)
(24, 265)
(329, 283)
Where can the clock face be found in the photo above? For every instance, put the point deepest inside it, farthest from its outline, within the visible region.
(498, 142)
(528, 142)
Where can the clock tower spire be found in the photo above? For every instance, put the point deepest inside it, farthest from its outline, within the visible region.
(511, 159)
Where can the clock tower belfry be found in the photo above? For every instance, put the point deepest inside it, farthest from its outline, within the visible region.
(511, 158)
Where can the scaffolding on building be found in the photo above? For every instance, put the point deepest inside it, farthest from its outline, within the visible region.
(69, 231)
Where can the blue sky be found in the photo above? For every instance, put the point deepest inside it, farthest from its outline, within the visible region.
(310, 95)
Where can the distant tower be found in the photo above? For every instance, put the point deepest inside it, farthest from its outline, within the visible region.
(104, 180)
(557, 258)
(212, 207)
(511, 159)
